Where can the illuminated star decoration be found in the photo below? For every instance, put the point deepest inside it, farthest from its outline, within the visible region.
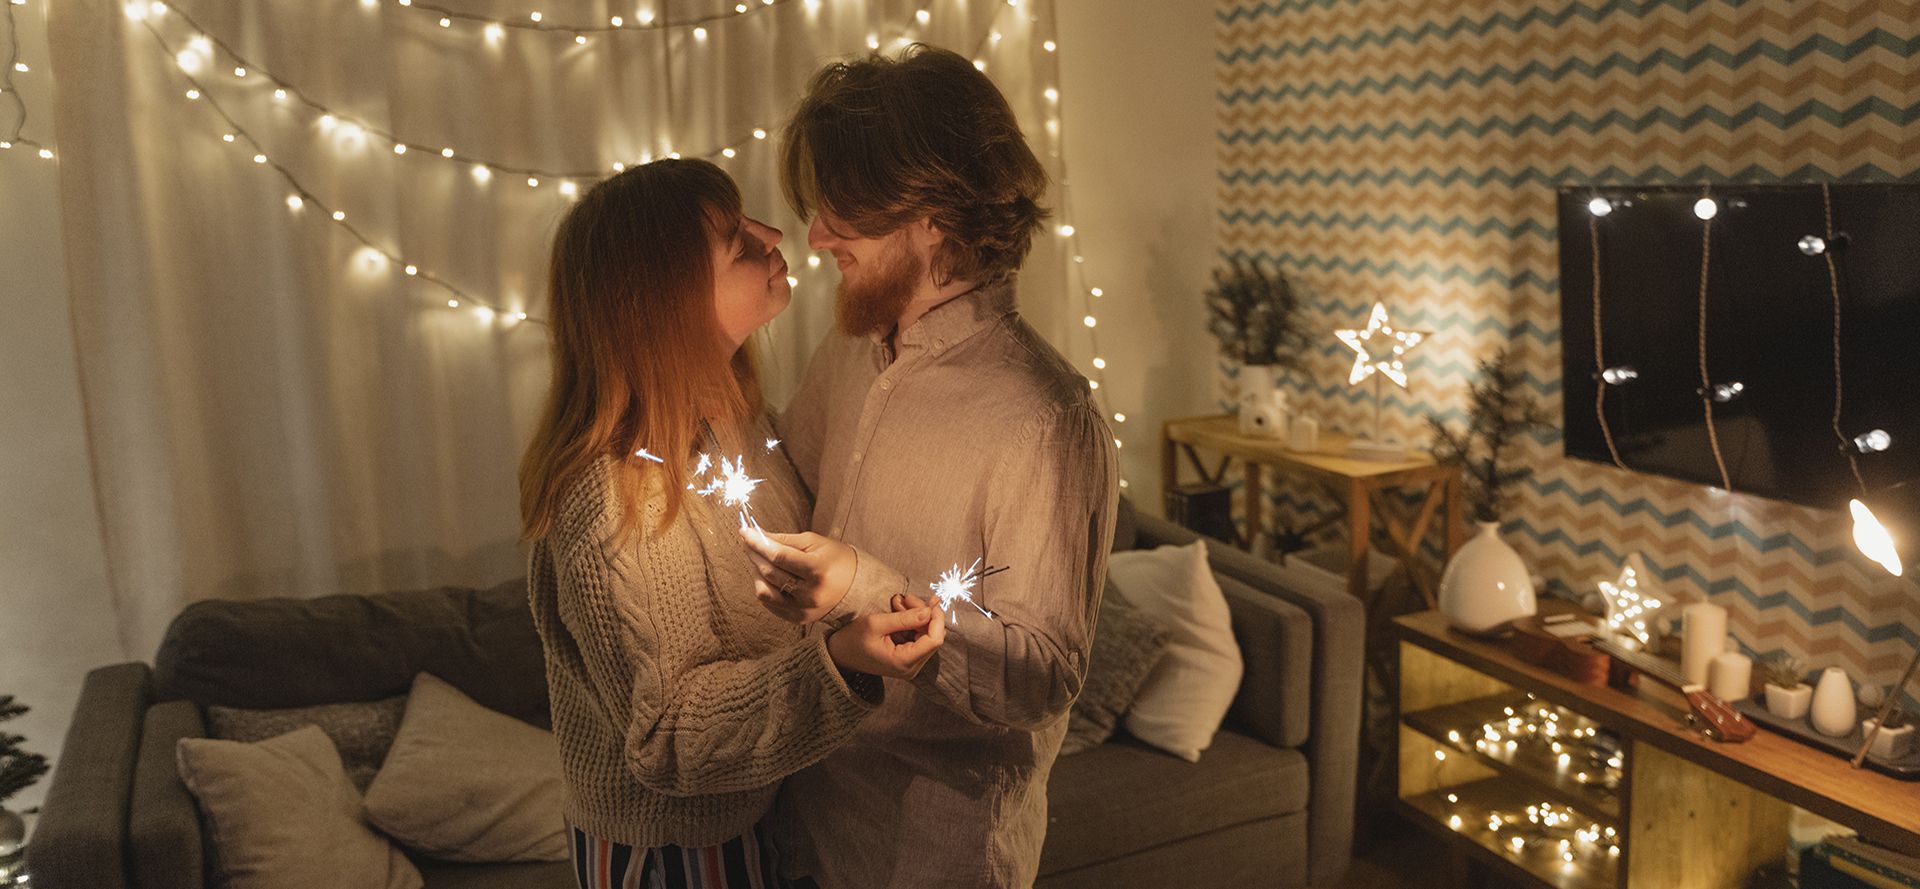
(956, 585)
(1630, 608)
(1371, 357)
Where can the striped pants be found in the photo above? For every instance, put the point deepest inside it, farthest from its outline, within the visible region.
(744, 862)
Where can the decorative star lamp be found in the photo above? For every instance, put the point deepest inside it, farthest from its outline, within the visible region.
(1631, 603)
(1379, 351)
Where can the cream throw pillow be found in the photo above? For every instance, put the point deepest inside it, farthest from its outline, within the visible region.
(1186, 697)
(464, 783)
(284, 816)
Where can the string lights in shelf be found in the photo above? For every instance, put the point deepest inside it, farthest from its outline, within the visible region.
(12, 140)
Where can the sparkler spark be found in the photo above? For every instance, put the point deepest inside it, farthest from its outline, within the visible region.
(957, 585)
(772, 443)
(732, 484)
(645, 454)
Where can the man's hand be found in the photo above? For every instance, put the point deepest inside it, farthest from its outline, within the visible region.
(801, 576)
(895, 644)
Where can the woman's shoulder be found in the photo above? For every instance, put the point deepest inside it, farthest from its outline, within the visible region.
(592, 507)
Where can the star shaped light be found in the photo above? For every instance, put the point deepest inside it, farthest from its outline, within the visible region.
(1630, 606)
(1384, 357)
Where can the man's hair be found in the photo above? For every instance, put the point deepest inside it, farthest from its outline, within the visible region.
(882, 142)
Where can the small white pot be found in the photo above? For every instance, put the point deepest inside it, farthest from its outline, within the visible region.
(1891, 743)
(1833, 711)
(1789, 703)
(1486, 586)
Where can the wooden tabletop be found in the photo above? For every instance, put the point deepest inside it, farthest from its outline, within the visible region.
(1222, 433)
(1885, 810)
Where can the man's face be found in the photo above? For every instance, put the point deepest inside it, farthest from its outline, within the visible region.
(878, 276)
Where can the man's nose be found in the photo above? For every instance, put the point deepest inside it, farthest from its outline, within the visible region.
(819, 237)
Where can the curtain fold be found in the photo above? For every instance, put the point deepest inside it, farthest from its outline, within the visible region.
(275, 408)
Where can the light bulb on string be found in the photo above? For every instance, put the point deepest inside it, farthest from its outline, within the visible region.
(1706, 208)
(1813, 245)
(1873, 441)
(1619, 375)
(1599, 206)
(294, 202)
(616, 21)
(1726, 392)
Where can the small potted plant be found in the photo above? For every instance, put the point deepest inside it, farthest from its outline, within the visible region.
(1788, 694)
(1895, 739)
(1254, 312)
(18, 771)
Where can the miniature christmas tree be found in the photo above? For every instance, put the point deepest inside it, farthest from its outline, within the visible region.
(1499, 413)
(1255, 314)
(18, 768)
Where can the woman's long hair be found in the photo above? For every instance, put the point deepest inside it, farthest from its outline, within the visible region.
(638, 356)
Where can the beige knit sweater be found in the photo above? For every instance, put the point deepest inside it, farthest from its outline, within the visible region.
(678, 701)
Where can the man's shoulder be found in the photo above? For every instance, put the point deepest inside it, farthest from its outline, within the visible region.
(1028, 372)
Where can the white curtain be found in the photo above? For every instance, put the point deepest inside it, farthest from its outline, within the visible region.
(276, 408)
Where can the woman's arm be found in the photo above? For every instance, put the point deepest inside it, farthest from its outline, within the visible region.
(715, 728)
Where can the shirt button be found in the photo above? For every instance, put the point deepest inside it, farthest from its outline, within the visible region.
(856, 456)
(836, 531)
(939, 344)
(886, 384)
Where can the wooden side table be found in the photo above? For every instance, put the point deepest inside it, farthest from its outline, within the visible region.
(1671, 808)
(1362, 486)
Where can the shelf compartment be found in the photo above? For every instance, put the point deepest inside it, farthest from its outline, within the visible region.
(1528, 759)
(1463, 811)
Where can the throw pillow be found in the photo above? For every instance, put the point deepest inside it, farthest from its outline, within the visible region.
(464, 783)
(1126, 646)
(362, 730)
(1188, 693)
(282, 815)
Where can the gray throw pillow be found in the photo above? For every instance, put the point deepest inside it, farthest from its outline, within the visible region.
(1127, 644)
(362, 731)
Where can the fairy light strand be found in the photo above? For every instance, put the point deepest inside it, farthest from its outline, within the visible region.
(1706, 386)
(1077, 274)
(13, 65)
(1599, 348)
(537, 21)
(1839, 385)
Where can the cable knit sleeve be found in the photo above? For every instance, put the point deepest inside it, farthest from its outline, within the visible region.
(693, 725)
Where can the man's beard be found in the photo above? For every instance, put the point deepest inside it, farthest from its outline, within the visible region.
(872, 303)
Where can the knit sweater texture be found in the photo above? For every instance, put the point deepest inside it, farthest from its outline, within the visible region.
(678, 701)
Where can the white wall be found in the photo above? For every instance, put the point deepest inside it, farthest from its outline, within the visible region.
(56, 621)
(1138, 114)
(1137, 106)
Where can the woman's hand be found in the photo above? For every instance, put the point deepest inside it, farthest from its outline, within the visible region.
(895, 644)
(801, 576)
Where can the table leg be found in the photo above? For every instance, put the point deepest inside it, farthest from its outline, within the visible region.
(1359, 536)
(1253, 505)
(1169, 470)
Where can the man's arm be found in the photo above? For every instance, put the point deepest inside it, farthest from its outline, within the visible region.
(1049, 520)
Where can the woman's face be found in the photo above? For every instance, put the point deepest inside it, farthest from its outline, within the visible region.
(749, 278)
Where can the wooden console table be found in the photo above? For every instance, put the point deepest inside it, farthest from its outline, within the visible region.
(1362, 486)
(1674, 810)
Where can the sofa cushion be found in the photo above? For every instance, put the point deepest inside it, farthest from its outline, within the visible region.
(541, 875)
(284, 816)
(361, 731)
(273, 653)
(1126, 647)
(1125, 796)
(463, 783)
(1187, 695)
(1126, 527)
(1276, 650)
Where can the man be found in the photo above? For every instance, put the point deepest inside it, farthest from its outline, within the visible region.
(936, 428)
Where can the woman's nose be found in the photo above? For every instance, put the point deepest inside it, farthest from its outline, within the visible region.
(768, 236)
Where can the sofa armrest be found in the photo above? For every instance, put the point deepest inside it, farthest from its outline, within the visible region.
(1333, 740)
(164, 842)
(80, 840)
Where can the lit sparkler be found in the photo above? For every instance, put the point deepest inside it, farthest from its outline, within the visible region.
(956, 585)
(645, 454)
(731, 484)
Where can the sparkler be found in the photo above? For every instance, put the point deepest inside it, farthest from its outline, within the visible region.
(645, 454)
(732, 484)
(957, 585)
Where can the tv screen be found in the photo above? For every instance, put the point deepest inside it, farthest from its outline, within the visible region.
(1769, 345)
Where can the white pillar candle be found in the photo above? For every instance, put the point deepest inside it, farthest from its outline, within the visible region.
(1730, 676)
(1703, 634)
(1303, 434)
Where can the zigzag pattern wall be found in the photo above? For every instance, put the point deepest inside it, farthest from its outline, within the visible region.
(1408, 151)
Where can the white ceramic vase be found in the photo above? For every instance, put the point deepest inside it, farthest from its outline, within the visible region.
(1789, 703)
(1833, 710)
(1486, 586)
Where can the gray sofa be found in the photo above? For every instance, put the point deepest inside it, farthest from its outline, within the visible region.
(1270, 804)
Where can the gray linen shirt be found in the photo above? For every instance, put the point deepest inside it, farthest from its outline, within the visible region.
(977, 441)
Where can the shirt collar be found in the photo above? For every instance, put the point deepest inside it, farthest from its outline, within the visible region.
(956, 319)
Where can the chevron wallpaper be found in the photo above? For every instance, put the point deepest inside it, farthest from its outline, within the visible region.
(1408, 151)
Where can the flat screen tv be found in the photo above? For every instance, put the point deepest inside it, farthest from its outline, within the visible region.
(1770, 337)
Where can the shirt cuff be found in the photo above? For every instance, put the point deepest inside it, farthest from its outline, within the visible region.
(872, 590)
(867, 692)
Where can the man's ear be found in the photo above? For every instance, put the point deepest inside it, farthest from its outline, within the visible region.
(927, 237)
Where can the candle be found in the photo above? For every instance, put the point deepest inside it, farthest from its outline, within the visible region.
(1703, 635)
(1303, 434)
(1730, 676)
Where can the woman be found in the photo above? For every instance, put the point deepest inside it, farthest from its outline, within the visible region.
(678, 702)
